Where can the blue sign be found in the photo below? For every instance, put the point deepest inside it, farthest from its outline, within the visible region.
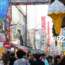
(4, 4)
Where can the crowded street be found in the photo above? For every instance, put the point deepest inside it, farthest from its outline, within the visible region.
(32, 32)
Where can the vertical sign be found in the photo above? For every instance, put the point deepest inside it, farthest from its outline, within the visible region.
(63, 41)
(43, 23)
(8, 22)
(48, 33)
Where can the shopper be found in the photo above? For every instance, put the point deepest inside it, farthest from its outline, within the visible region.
(1, 61)
(21, 59)
(57, 60)
(43, 58)
(5, 58)
(62, 62)
(50, 60)
(12, 59)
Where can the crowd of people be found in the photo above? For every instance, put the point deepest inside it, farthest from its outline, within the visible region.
(22, 58)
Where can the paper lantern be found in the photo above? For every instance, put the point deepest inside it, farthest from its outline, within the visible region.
(4, 4)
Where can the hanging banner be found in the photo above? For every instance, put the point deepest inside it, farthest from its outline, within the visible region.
(1, 26)
(2, 37)
(4, 4)
(63, 40)
(43, 23)
(1, 44)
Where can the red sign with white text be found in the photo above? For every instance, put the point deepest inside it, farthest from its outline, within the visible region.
(7, 45)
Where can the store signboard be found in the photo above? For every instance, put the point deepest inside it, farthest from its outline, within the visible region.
(7, 46)
(1, 44)
(2, 37)
(43, 23)
(63, 41)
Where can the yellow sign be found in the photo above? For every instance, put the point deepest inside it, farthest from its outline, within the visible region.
(2, 50)
(64, 52)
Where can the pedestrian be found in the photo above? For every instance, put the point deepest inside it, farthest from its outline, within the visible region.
(5, 58)
(37, 60)
(50, 60)
(43, 58)
(57, 60)
(21, 58)
(1, 61)
(62, 62)
(12, 59)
